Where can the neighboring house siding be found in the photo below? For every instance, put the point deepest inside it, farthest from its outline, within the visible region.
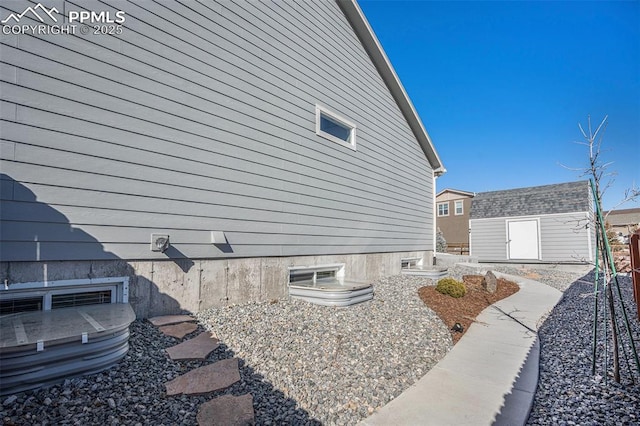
(200, 118)
(623, 222)
(455, 227)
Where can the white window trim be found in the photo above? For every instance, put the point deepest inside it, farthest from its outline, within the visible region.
(348, 123)
(455, 207)
(438, 208)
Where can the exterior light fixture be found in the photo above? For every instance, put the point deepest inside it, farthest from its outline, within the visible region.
(159, 242)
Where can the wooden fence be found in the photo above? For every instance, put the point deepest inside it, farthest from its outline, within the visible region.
(458, 248)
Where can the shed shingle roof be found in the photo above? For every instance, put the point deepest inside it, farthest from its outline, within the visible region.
(536, 200)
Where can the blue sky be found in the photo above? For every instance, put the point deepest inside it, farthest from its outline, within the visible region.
(502, 86)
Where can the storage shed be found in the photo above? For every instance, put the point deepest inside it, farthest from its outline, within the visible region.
(550, 223)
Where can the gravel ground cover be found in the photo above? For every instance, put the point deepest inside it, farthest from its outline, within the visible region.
(133, 392)
(339, 364)
(568, 394)
(308, 364)
(303, 364)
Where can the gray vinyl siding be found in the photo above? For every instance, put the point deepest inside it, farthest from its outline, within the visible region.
(201, 117)
(563, 238)
(487, 239)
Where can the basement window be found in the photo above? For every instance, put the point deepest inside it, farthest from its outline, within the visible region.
(338, 129)
(70, 300)
(411, 263)
(312, 275)
(51, 295)
(301, 277)
(21, 304)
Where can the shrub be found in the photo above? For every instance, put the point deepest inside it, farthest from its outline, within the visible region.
(441, 243)
(451, 287)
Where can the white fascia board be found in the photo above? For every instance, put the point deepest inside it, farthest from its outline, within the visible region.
(373, 47)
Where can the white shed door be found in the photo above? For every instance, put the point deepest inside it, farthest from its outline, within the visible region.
(523, 239)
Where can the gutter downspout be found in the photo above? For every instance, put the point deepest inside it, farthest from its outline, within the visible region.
(436, 174)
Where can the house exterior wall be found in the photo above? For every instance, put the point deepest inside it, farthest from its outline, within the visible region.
(201, 118)
(563, 237)
(623, 222)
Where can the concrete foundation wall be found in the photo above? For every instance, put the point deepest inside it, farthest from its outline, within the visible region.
(170, 287)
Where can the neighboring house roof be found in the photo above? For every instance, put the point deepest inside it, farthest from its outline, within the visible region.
(537, 200)
(456, 191)
(373, 47)
(623, 217)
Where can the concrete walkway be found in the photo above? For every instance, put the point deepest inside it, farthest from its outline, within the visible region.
(490, 375)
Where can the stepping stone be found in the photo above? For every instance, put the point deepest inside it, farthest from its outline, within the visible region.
(179, 330)
(170, 319)
(197, 348)
(227, 410)
(210, 378)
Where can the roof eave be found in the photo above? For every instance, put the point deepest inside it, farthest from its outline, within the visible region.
(361, 26)
(457, 191)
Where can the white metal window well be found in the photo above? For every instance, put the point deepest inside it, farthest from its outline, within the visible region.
(415, 266)
(53, 330)
(336, 128)
(326, 285)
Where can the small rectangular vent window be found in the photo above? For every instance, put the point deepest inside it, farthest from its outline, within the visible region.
(338, 129)
(334, 128)
(80, 299)
(13, 306)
